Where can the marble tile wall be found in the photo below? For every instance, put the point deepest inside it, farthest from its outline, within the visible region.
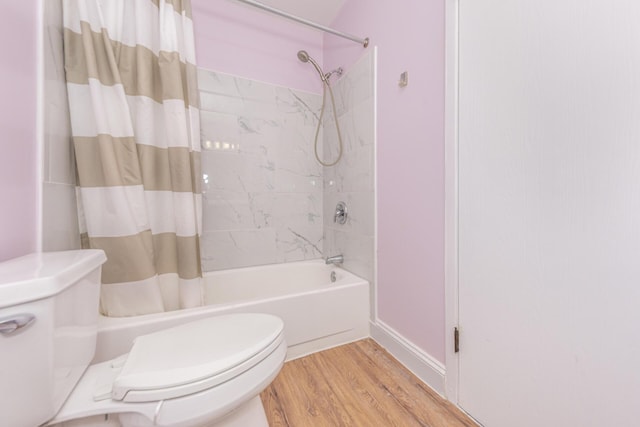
(263, 189)
(59, 216)
(352, 180)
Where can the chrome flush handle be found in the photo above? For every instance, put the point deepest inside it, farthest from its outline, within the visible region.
(9, 325)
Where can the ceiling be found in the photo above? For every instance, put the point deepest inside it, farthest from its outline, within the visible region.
(320, 11)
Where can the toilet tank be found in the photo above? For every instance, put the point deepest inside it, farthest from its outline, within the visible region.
(42, 360)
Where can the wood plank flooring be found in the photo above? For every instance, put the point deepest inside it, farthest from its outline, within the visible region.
(358, 384)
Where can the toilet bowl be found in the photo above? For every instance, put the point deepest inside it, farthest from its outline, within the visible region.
(208, 372)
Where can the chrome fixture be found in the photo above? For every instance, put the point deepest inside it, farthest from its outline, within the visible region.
(16, 322)
(337, 71)
(337, 259)
(404, 79)
(303, 56)
(340, 216)
(364, 42)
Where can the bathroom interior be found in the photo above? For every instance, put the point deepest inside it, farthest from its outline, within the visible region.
(456, 183)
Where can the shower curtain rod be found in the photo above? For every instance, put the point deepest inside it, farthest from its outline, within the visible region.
(364, 42)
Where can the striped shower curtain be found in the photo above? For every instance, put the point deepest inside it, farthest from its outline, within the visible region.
(133, 99)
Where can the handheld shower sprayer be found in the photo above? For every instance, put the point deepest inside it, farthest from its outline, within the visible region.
(303, 56)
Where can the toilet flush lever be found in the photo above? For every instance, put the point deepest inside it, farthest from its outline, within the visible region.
(9, 325)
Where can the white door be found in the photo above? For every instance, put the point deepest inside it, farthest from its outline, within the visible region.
(549, 212)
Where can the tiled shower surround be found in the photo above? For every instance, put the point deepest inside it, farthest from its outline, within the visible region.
(262, 198)
(266, 199)
(352, 180)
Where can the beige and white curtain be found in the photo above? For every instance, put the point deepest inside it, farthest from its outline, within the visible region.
(133, 97)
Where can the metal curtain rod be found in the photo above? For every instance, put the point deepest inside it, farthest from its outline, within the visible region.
(364, 42)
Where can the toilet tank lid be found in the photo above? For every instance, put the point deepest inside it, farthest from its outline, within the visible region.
(44, 274)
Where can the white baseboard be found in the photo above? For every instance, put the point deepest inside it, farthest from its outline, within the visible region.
(425, 367)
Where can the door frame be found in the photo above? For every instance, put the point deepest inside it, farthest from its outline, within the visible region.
(452, 359)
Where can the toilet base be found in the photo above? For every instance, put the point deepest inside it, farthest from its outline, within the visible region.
(249, 414)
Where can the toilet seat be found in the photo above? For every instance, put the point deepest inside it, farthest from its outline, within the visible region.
(170, 398)
(196, 356)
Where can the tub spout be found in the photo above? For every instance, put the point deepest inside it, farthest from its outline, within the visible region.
(337, 259)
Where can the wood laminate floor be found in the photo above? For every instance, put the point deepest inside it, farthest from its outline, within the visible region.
(357, 384)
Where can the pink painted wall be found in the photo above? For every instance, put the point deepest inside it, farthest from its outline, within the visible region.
(235, 39)
(410, 37)
(244, 41)
(18, 150)
(239, 40)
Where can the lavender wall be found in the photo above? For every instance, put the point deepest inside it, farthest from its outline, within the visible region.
(242, 41)
(236, 39)
(410, 157)
(18, 118)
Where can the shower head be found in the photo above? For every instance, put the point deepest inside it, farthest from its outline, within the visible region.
(305, 57)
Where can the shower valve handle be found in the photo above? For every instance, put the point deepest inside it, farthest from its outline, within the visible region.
(340, 216)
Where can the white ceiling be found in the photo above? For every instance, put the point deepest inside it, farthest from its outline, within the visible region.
(320, 11)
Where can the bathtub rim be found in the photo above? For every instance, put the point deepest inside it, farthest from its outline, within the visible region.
(109, 323)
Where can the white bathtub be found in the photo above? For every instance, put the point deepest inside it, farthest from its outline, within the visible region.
(317, 313)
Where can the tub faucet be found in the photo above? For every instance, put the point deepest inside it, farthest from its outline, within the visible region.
(337, 259)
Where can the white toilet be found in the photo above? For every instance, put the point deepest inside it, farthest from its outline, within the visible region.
(208, 372)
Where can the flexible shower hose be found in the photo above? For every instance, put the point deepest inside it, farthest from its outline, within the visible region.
(325, 84)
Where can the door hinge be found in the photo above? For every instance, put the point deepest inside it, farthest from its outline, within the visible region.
(456, 340)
